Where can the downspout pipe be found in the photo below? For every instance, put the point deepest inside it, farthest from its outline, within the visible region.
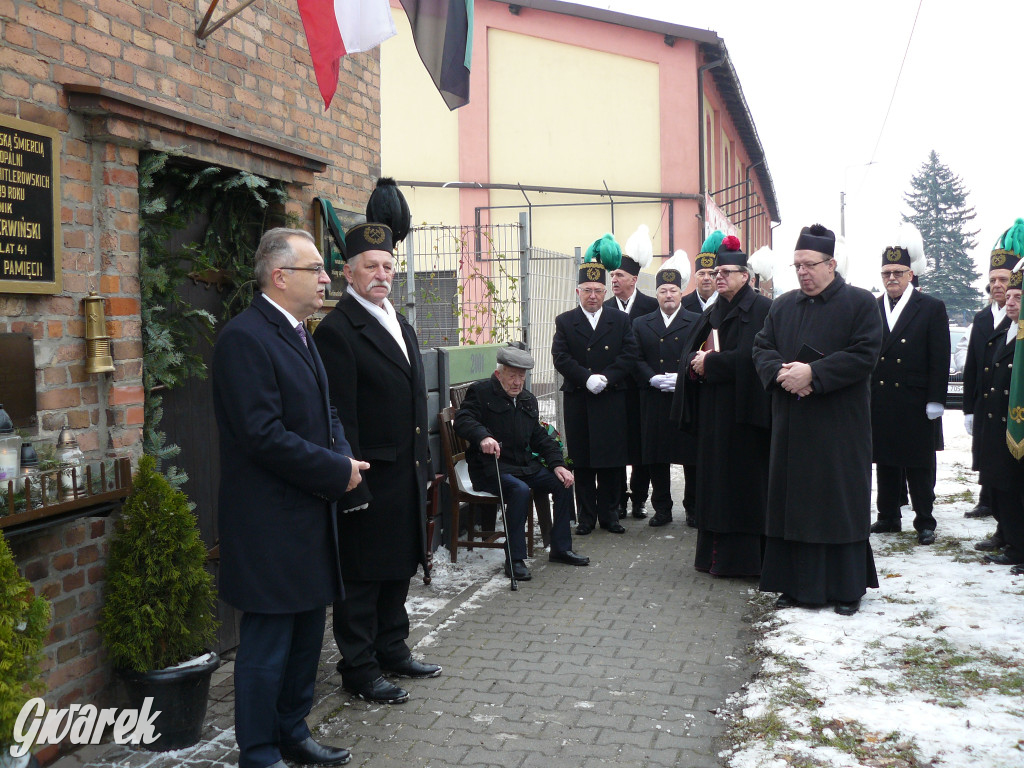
(702, 139)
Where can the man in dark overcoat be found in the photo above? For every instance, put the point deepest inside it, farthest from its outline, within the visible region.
(500, 421)
(626, 297)
(373, 364)
(908, 390)
(594, 350)
(722, 401)
(284, 462)
(661, 338)
(997, 468)
(815, 355)
(986, 325)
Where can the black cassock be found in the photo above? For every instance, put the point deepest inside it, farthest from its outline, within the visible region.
(819, 487)
(731, 414)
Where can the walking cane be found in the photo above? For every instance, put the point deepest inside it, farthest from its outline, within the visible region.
(504, 522)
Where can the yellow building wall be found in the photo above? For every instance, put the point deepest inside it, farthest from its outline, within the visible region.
(566, 116)
(419, 135)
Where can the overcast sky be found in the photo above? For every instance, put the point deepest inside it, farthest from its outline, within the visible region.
(818, 77)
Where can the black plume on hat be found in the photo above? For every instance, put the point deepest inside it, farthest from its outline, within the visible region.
(387, 205)
(817, 238)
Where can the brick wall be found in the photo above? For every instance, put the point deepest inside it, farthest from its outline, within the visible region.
(117, 77)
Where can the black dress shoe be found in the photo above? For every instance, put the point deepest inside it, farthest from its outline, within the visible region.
(979, 511)
(309, 752)
(380, 691)
(638, 512)
(995, 541)
(417, 669)
(616, 528)
(691, 521)
(785, 601)
(622, 513)
(1018, 570)
(926, 537)
(847, 609)
(886, 526)
(569, 558)
(583, 530)
(519, 569)
(1001, 559)
(659, 519)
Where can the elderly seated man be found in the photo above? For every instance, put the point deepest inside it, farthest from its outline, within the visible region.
(499, 419)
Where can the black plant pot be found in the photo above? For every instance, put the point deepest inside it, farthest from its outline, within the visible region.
(180, 695)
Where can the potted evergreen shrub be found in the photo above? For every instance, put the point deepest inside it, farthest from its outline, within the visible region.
(158, 614)
(24, 622)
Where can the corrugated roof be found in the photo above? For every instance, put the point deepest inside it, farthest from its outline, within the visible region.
(713, 47)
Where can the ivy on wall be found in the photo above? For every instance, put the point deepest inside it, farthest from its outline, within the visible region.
(224, 213)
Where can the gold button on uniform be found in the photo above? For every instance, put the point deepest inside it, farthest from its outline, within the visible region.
(417, 430)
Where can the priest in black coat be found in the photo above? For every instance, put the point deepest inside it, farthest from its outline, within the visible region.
(377, 381)
(815, 355)
(626, 297)
(595, 352)
(721, 400)
(985, 325)
(908, 389)
(661, 337)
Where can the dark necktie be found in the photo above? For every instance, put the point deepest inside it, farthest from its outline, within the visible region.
(893, 303)
(299, 329)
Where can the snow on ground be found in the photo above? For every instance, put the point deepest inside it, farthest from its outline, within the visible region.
(928, 672)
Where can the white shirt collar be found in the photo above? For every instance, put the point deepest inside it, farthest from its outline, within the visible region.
(998, 313)
(384, 314)
(1011, 334)
(705, 304)
(628, 303)
(593, 317)
(892, 314)
(669, 318)
(291, 319)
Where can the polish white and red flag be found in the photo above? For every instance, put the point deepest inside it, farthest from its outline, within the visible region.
(335, 28)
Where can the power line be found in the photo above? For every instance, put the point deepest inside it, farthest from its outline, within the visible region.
(898, 75)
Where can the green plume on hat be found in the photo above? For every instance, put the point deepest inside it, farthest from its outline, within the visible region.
(1013, 238)
(713, 243)
(606, 251)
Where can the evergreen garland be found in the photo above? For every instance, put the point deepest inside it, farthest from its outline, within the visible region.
(159, 598)
(940, 211)
(24, 623)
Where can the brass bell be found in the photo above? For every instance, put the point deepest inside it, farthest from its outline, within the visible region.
(97, 342)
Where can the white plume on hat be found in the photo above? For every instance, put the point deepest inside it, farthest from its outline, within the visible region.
(841, 256)
(680, 262)
(909, 237)
(639, 246)
(762, 262)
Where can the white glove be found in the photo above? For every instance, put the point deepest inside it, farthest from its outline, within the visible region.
(934, 410)
(658, 379)
(969, 423)
(668, 384)
(596, 383)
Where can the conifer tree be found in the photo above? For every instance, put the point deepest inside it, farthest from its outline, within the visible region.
(938, 200)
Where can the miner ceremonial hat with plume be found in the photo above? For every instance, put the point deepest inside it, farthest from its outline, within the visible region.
(730, 253)
(706, 258)
(906, 249)
(1009, 248)
(675, 271)
(387, 205)
(639, 251)
(601, 257)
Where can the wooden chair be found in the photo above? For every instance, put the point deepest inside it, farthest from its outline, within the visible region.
(433, 512)
(462, 492)
(457, 393)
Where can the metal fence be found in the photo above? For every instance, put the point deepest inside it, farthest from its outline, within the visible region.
(485, 285)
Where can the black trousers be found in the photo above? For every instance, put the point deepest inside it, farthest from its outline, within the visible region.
(638, 487)
(371, 626)
(275, 671)
(1008, 508)
(921, 485)
(661, 488)
(597, 496)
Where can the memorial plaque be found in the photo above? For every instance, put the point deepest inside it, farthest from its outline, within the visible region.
(30, 239)
(18, 378)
